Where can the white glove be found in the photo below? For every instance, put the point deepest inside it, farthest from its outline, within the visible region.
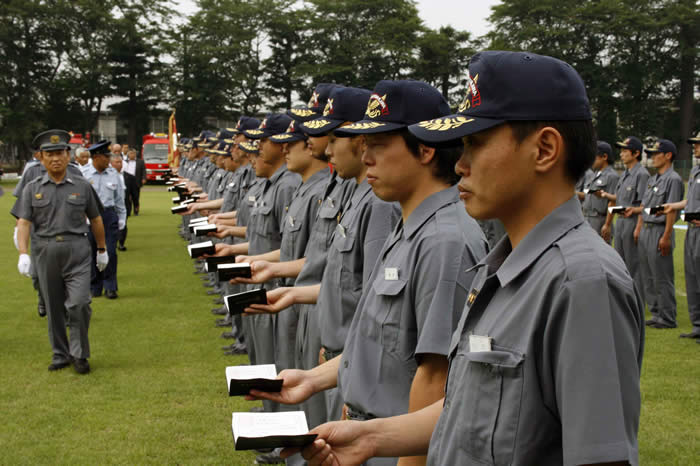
(14, 237)
(122, 224)
(24, 265)
(102, 260)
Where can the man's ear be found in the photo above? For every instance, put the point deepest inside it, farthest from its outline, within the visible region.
(425, 154)
(549, 144)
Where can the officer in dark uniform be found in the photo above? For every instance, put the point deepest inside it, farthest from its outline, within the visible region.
(57, 205)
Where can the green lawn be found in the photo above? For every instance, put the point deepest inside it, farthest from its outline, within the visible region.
(157, 392)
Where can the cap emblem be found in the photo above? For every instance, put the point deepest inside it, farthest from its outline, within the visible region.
(377, 106)
(55, 139)
(329, 108)
(473, 97)
(316, 124)
(302, 112)
(445, 124)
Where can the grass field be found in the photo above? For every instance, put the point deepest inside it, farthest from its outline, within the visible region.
(157, 391)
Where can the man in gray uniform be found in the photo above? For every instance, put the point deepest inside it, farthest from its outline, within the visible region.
(691, 250)
(56, 206)
(628, 193)
(545, 361)
(656, 238)
(595, 206)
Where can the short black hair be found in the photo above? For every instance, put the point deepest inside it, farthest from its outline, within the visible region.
(579, 142)
(446, 156)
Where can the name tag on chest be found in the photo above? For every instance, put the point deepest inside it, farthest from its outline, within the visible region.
(391, 273)
(479, 344)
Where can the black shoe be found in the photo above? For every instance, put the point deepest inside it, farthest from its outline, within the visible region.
(650, 322)
(661, 326)
(693, 334)
(257, 409)
(218, 301)
(41, 310)
(219, 311)
(121, 248)
(209, 285)
(198, 271)
(222, 323)
(212, 292)
(228, 335)
(236, 350)
(111, 294)
(270, 458)
(96, 294)
(57, 366)
(81, 366)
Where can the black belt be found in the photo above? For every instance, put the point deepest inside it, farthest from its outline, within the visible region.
(357, 415)
(651, 224)
(330, 354)
(110, 208)
(63, 238)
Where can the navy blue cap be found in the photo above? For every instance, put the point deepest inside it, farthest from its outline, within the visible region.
(225, 133)
(274, 123)
(293, 133)
(317, 103)
(184, 142)
(99, 148)
(249, 147)
(662, 146)
(511, 86)
(694, 140)
(604, 148)
(632, 143)
(344, 104)
(245, 122)
(397, 104)
(52, 140)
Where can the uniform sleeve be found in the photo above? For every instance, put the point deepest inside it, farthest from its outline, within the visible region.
(642, 182)
(23, 205)
(119, 202)
(675, 190)
(593, 342)
(440, 291)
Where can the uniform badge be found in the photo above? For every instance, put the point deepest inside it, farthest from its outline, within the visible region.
(473, 97)
(55, 139)
(291, 221)
(38, 195)
(472, 296)
(377, 106)
(391, 273)
(73, 196)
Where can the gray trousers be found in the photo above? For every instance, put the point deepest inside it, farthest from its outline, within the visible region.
(596, 222)
(628, 250)
(308, 345)
(260, 331)
(334, 398)
(657, 273)
(355, 416)
(284, 325)
(63, 270)
(692, 274)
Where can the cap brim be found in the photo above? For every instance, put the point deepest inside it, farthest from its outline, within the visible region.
(54, 147)
(287, 137)
(320, 126)
(451, 127)
(693, 140)
(368, 127)
(302, 114)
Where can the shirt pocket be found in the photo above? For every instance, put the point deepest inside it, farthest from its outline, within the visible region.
(267, 221)
(41, 211)
(76, 209)
(387, 315)
(487, 397)
(695, 186)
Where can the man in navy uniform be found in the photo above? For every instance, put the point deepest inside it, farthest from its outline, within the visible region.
(56, 205)
(107, 183)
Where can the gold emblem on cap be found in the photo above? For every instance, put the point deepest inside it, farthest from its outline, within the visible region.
(254, 131)
(473, 98)
(281, 137)
(444, 124)
(55, 139)
(370, 125)
(316, 124)
(377, 106)
(302, 112)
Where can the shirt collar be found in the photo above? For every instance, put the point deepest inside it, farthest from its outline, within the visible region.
(278, 173)
(46, 179)
(313, 179)
(508, 264)
(427, 209)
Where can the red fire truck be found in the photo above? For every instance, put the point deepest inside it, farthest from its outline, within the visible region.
(77, 140)
(155, 156)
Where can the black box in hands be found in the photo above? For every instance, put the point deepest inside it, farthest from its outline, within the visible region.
(690, 216)
(242, 379)
(200, 249)
(654, 210)
(211, 263)
(617, 209)
(254, 431)
(228, 271)
(203, 230)
(178, 209)
(236, 303)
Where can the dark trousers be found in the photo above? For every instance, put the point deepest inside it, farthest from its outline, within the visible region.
(107, 279)
(133, 192)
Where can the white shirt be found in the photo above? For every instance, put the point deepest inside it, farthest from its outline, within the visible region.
(130, 167)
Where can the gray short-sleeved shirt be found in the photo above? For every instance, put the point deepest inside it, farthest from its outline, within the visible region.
(662, 189)
(34, 169)
(57, 209)
(359, 236)
(545, 362)
(300, 218)
(411, 304)
(602, 180)
(584, 180)
(631, 186)
(337, 194)
(265, 225)
(694, 190)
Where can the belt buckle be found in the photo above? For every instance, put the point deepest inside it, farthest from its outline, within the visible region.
(59, 239)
